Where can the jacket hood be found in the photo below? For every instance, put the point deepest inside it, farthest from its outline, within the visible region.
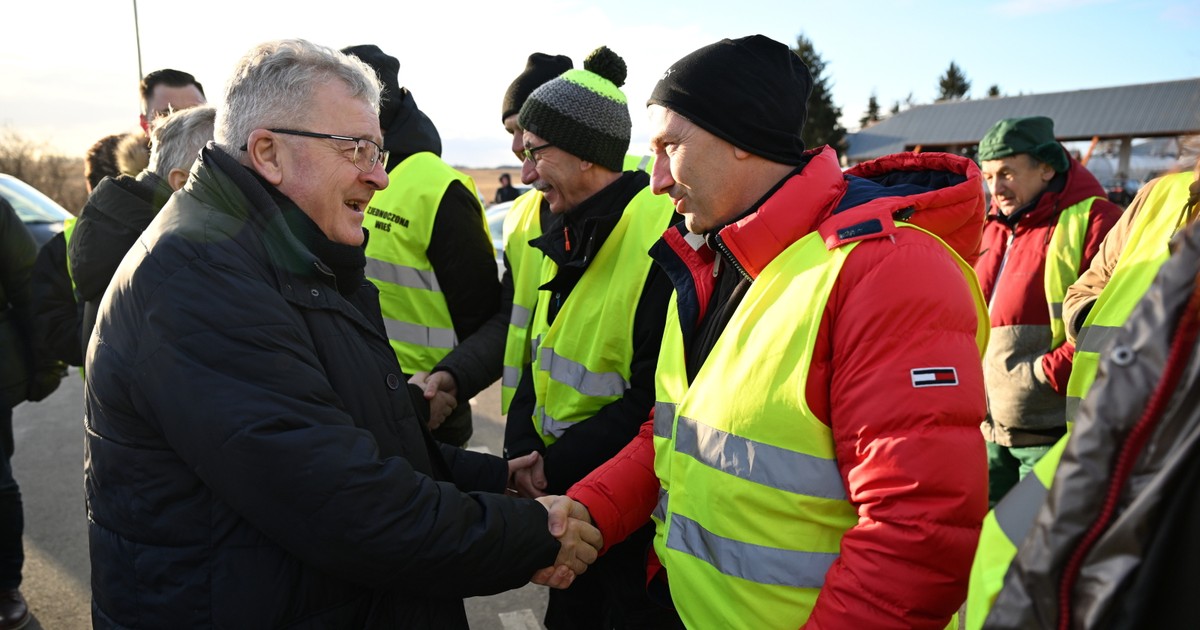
(407, 130)
(939, 192)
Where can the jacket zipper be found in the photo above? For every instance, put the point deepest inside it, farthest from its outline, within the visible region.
(999, 272)
(325, 271)
(723, 249)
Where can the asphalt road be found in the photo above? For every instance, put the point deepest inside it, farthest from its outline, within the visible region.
(48, 465)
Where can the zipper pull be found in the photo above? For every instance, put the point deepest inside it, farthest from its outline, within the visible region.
(717, 265)
(567, 238)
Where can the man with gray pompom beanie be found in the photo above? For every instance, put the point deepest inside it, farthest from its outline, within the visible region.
(598, 318)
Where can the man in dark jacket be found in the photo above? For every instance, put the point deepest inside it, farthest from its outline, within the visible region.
(430, 252)
(120, 208)
(254, 458)
(17, 251)
(478, 360)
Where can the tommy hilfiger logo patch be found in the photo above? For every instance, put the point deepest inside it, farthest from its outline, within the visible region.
(934, 377)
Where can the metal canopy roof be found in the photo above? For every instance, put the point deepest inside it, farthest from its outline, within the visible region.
(1147, 110)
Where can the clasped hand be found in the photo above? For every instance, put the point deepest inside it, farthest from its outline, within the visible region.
(441, 390)
(571, 524)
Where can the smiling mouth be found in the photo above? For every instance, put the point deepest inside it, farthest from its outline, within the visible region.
(355, 206)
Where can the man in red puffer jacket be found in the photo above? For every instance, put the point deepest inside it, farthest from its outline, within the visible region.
(812, 458)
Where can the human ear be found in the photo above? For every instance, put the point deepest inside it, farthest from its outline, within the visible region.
(177, 178)
(264, 155)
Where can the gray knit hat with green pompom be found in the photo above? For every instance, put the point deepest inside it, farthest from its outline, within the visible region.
(583, 112)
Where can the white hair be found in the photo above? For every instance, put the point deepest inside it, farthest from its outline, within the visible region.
(175, 140)
(273, 84)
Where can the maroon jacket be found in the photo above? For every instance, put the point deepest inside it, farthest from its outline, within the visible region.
(1026, 378)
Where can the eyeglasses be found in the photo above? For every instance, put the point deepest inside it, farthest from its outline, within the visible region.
(367, 153)
(530, 153)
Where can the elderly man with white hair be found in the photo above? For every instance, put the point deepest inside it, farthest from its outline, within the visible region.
(254, 456)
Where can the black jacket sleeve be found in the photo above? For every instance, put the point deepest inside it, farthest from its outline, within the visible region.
(478, 361)
(520, 436)
(588, 444)
(463, 260)
(56, 315)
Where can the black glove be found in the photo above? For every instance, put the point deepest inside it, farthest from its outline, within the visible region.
(45, 380)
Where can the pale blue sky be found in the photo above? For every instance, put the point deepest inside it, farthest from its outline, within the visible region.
(68, 70)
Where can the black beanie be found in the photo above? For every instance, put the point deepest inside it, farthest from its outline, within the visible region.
(387, 68)
(751, 92)
(584, 112)
(539, 69)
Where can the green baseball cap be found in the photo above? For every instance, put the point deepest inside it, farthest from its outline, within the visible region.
(1033, 135)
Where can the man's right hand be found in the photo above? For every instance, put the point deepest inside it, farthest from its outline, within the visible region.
(441, 390)
(570, 522)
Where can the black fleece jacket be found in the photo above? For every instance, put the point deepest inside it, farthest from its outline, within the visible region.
(590, 443)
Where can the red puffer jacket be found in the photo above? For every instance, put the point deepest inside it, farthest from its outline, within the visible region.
(912, 459)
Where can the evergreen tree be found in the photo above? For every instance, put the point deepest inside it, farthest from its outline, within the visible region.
(994, 91)
(823, 126)
(872, 116)
(954, 84)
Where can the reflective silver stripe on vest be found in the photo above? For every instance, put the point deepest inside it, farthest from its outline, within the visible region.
(660, 508)
(761, 463)
(763, 565)
(511, 377)
(576, 376)
(401, 275)
(1056, 310)
(643, 163)
(551, 426)
(1017, 510)
(519, 317)
(664, 417)
(423, 336)
(1096, 338)
(1073, 403)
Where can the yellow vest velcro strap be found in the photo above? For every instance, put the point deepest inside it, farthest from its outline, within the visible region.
(1016, 512)
(764, 464)
(759, 564)
(660, 508)
(576, 376)
(551, 426)
(511, 376)
(664, 417)
(1096, 338)
(420, 335)
(520, 316)
(402, 275)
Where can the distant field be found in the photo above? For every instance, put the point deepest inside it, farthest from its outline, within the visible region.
(487, 180)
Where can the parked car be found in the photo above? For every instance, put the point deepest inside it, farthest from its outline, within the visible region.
(495, 214)
(41, 214)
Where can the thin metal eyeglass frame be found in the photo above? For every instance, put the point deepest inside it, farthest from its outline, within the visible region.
(381, 154)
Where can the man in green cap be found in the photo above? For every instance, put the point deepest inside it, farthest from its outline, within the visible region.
(1048, 216)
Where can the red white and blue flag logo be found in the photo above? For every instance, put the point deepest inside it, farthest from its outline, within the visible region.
(934, 377)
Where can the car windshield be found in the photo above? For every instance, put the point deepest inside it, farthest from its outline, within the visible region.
(31, 205)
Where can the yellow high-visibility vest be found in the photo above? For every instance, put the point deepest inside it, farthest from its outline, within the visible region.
(581, 362)
(400, 219)
(749, 547)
